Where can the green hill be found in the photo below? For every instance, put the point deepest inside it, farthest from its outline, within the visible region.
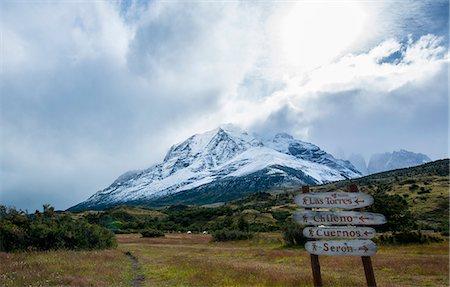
(422, 191)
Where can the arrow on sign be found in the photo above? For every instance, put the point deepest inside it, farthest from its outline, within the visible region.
(364, 248)
(358, 201)
(363, 219)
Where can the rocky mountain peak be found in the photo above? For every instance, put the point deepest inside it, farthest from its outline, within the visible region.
(395, 160)
(224, 160)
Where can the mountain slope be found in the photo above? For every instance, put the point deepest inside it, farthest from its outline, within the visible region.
(223, 164)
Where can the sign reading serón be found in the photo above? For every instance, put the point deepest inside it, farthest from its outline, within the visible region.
(339, 232)
(308, 217)
(337, 199)
(342, 247)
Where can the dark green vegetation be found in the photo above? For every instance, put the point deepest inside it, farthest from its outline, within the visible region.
(231, 235)
(293, 235)
(48, 230)
(152, 233)
(411, 199)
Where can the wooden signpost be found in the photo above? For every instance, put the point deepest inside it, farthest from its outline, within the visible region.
(359, 246)
(307, 217)
(339, 232)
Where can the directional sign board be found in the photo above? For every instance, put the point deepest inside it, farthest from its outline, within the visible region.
(348, 200)
(342, 247)
(308, 217)
(339, 232)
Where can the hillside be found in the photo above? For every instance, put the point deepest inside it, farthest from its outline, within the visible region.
(424, 190)
(424, 187)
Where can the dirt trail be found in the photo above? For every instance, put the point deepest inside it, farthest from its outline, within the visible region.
(138, 278)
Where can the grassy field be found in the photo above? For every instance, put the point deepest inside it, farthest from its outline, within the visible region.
(65, 268)
(192, 260)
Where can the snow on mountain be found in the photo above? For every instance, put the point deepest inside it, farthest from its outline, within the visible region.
(395, 160)
(225, 154)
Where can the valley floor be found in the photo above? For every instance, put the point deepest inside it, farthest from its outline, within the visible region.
(192, 260)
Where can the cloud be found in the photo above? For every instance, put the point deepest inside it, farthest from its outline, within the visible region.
(361, 104)
(88, 94)
(92, 89)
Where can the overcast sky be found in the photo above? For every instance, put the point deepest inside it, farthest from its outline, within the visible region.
(91, 89)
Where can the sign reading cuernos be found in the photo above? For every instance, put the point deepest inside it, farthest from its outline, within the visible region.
(338, 199)
(339, 232)
(342, 247)
(308, 217)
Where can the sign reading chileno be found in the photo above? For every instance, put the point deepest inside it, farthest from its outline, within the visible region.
(308, 217)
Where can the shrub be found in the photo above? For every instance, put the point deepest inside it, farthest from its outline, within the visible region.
(231, 235)
(48, 230)
(152, 233)
(293, 234)
(423, 190)
(280, 215)
(414, 187)
(396, 210)
(242, 224)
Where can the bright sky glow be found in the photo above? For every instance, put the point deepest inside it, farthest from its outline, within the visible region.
(314, 33)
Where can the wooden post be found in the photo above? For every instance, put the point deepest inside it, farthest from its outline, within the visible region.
(315, 264)
(368, 270)
(366, 260)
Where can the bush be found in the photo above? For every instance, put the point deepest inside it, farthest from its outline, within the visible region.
(50, 231)
(293, 234)
(423, 190)
(414, 187)
(396, 210)
(280, 215)
(231, 235)
(407, 237)
(152, 233)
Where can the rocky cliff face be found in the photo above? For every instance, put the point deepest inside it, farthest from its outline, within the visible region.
(395, 160)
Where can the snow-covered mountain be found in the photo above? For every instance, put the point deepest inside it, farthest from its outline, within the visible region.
(395, 160)
(220, 165)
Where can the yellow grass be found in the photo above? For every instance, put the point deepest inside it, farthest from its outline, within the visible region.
(65, 268)
(190, 260)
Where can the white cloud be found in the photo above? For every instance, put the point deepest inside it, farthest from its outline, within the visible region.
(360, 92)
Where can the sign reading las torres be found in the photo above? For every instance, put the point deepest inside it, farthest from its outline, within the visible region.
(349, 227)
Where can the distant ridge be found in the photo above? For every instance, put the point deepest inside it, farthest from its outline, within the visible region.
(395, 160)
